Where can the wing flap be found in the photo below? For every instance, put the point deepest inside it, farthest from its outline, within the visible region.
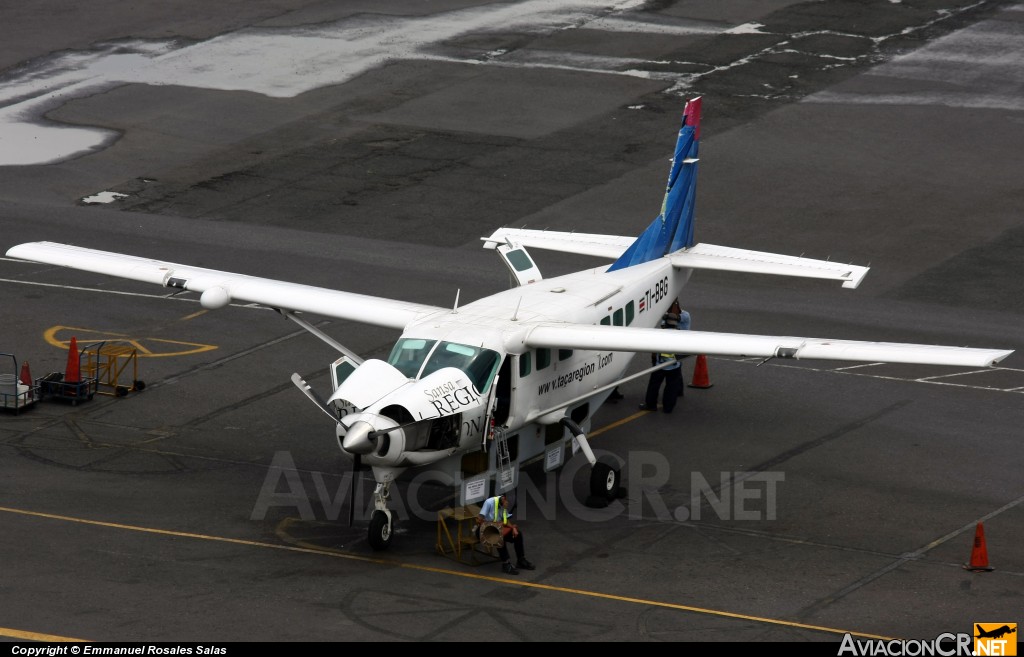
(226, 286)
(709, 256)
(614, 338)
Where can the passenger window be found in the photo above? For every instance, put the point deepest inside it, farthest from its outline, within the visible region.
(543, 358)
(629, 313)
(524, 364)
(606, 321)
(618, 317)
(564, 354)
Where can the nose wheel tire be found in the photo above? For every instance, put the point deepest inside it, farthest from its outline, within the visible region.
(380, 533)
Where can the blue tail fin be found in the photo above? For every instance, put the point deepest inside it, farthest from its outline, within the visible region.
(673, 228)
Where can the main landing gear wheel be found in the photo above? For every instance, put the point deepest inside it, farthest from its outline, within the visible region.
(604, 485)
(380, 531)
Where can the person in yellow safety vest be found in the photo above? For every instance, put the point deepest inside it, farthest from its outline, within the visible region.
(671, 375)
(495, 511)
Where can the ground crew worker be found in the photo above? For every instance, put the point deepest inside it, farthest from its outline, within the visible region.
(670, 375)
(495, 511)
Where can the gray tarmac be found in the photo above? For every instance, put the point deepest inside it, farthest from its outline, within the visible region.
(367, 146)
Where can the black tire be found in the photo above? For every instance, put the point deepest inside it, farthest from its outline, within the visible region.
(121, 391)
(380, 532)
(604, 482)
(139, 385)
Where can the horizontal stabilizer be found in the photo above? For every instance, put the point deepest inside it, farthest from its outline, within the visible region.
(709, 256)
(602, 246)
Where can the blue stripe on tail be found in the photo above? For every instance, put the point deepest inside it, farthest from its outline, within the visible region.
(673, 228)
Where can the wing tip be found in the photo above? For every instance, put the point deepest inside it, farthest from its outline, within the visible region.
(999, 357)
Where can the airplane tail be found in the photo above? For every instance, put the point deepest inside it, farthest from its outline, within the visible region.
(673, 228)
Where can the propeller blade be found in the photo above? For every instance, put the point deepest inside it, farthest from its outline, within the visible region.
(315, 398)
(356, 465)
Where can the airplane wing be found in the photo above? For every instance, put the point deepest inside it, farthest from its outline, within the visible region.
(218, 288)
(619, 338)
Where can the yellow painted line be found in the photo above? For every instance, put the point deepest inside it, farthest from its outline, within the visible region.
(35, 636)
(444, 571)
(91, 336)
(617, 423)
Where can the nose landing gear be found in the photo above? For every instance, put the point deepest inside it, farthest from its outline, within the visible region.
(381, 530)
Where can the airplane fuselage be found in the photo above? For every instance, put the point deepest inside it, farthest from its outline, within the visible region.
(534, 387)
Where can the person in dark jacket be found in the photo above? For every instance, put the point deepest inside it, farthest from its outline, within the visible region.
(671, 376)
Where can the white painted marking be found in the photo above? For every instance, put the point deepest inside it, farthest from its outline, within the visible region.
(747, 28)
(943, 376)
(619, 24)
(104, 197)
(853, 367)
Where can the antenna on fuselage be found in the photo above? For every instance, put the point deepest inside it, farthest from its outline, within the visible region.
(515, 313)
(455, 309)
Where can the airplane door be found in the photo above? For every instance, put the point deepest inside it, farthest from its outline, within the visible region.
(519, 262)
(503, 392)
(499, 398)
(341, 369)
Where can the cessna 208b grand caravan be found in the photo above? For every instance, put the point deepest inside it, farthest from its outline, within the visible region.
(475, 391)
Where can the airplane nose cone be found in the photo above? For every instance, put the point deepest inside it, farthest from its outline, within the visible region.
(357, 438)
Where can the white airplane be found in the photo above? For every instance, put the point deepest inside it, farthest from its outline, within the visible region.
(475, 391)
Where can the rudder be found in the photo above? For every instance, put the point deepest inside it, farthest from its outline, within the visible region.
(673, 228)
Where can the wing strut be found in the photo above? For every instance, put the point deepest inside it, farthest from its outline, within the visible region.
(320, 334)
(535, 415)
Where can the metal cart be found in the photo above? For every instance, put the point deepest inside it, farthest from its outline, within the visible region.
(54, 385)
(14, 394)
(109, 362)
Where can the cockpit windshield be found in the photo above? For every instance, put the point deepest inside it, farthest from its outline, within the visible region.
(417, 358)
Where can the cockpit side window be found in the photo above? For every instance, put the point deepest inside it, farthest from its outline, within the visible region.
(408, 355)
(481, 371)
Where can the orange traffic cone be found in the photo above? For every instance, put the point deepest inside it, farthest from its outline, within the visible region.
(26, 379)
(71, 374)
(700, 373)
(26, 374)
(979, 554)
